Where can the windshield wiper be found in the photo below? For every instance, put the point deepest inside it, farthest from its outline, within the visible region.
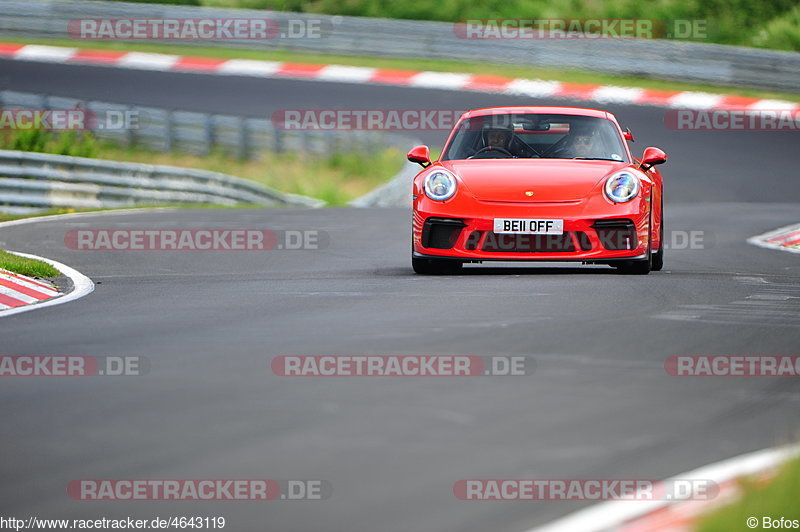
(597, 159)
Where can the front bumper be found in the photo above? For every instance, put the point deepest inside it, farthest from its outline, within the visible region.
(595, 230)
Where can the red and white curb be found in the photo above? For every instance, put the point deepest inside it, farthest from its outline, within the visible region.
(82, 285)
(675, 516)
(381, 76)
(21, 294)
(18, 290)
(785, 239)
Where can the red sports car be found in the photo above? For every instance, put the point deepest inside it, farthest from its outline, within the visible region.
(538, 184)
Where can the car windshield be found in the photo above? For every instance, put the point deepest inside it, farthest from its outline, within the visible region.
(547, 136)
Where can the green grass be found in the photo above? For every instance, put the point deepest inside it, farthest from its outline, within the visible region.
(335, 179)
(496, 69)
(23, 266)
(729, 21)
(776, 499)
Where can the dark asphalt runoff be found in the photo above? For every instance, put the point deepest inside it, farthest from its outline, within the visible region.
(598, 405)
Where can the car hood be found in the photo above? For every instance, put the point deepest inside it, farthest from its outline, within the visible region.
(548, 179)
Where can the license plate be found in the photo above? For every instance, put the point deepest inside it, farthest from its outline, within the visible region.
(528, 226)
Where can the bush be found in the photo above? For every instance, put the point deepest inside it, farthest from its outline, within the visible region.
(772, 24)
(781, 33)
(77, 144)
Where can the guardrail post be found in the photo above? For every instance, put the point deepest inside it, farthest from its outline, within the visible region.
(209, 133)
(277, 138)
(130, 131)
(243, 144)
(328, 143)
(169, 127)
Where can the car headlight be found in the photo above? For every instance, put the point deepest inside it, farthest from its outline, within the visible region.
(440, 185)
(622, 187)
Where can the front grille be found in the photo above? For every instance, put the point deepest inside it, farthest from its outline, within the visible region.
(441, 233)
(616, 234)
(506, 243)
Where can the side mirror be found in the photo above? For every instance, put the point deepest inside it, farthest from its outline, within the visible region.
(627, 134)
(653, 156)
(420, 155)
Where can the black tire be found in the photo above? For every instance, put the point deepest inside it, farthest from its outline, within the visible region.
(436, 267)
(658, 260)
(658, 256)
(641, 266)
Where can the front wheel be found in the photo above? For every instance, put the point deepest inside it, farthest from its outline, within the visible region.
(658, 256)
(436, 267)
(640, 266)
(658, 260)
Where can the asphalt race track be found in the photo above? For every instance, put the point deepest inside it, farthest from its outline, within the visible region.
(599, 404)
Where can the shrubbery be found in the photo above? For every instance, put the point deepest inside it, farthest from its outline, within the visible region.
(770, 24)
(78, 144)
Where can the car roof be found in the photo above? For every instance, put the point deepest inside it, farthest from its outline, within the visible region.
(578, 111)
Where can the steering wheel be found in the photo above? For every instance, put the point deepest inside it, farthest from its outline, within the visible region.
(487, 148)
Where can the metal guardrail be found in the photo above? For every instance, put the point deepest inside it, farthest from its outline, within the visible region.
(200, 133)
(36, 181)
(664, 59)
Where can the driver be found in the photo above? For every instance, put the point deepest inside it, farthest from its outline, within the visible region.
(581, 142)
(495, 136)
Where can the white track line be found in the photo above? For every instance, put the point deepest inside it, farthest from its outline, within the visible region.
(608, 516)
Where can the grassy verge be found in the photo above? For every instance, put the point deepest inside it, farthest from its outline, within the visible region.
(775, 500)
(742, 22)
(336, 179)
(23, 266)
(511, 71)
